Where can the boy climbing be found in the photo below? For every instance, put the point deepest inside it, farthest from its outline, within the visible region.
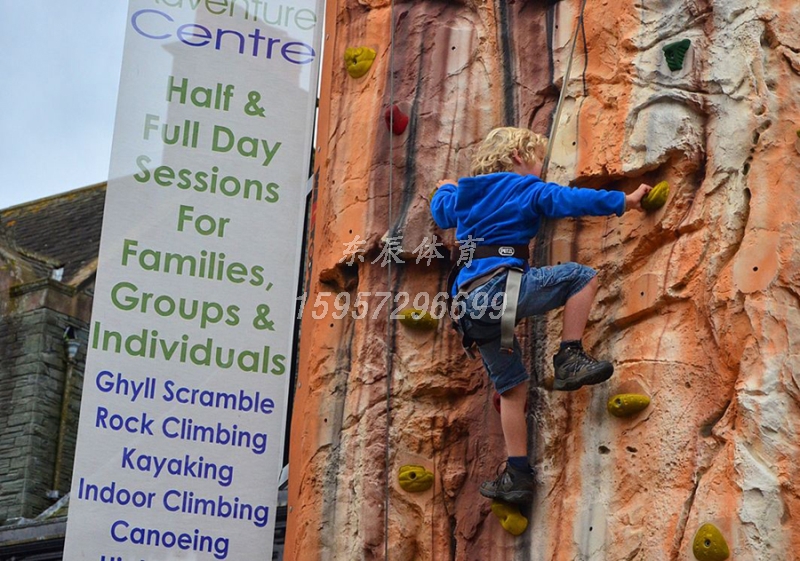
(497, 209)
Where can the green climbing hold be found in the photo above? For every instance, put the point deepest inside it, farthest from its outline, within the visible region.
(511, 519)
(657, 197)
(798, 134)
(709, 545)
(418, 319)
(415, 479)
(358, 60)
(675, 52)
(627, 404)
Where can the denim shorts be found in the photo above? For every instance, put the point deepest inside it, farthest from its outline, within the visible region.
(541, 290)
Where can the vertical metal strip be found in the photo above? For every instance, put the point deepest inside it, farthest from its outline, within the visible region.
(389, 345)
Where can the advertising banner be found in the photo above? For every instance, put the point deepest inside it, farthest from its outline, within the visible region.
(187, 375)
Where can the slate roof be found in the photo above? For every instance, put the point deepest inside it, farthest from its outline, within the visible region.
(59, 230)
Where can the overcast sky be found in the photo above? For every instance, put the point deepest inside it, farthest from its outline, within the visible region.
(60, 63)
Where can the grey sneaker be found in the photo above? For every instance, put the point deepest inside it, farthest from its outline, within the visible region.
(575, 368)
(511, 486)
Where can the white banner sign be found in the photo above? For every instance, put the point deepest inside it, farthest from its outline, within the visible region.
(187, 376)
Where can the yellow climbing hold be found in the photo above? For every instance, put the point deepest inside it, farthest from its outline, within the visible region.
(709, 545)
(657, 196)
(418, 319)
(358, 60)
(627, 404)
(511, 519)
(415, 479)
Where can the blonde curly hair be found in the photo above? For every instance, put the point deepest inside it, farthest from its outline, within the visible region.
(496, 152)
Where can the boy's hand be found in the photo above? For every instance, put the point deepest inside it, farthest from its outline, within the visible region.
(634, 200)
(442, 182)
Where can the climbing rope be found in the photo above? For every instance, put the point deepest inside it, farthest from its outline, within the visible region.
(559, 106)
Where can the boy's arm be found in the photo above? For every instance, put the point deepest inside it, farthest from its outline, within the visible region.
(556, 201)
(443, 202)
(634, 200)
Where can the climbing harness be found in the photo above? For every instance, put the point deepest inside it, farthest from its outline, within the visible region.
(508, 313)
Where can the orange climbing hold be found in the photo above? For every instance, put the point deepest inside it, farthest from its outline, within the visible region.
(415, 479)
(511, 519)
(358, 60)
(396, 120)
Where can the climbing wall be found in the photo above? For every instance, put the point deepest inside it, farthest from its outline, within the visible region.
(394, 427)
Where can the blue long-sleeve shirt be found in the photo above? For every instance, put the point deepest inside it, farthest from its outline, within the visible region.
(504, 209)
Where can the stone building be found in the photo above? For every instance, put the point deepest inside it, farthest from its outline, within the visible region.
(48, 259)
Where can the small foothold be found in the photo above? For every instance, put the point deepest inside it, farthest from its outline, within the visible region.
(675, 52)
(627, 404)
(415, 479)
(418, 319)
(709, 545)
(511, 519)
(358, 60)
(657, 197)
(396, 120)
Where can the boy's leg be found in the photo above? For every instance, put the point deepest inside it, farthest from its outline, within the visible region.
(576, 311)
(573, 286)
(510, 378)
(573, 367)
(512, 418)
(515, 483)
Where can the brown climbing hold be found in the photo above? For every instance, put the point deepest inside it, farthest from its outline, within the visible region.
(418, 319)
(627, 404)
(511, 519)
(358, 60)
(709, 544)
(396, 120)
(415, 479)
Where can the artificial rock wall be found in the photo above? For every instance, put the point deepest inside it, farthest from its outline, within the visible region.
(698, 306)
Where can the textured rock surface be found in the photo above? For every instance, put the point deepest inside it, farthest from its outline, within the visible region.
(698, 306)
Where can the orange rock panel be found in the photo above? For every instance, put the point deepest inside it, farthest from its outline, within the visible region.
(697, 306)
